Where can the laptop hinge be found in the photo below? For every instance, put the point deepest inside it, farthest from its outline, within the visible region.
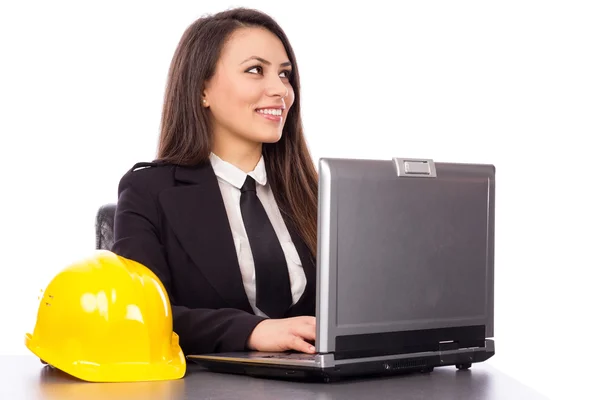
(406, 342)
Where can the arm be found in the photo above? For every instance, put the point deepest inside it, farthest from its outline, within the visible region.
(136, 237)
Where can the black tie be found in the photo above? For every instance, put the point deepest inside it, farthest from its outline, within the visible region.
(273, 293)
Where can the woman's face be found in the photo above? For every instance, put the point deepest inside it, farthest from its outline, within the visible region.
(250, 94)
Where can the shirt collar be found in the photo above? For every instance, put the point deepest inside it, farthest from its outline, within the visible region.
(235, 176)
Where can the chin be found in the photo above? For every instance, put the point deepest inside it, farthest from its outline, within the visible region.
(270, 138)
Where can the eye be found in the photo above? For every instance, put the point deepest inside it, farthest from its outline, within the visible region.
(286, 73)
(258, 69)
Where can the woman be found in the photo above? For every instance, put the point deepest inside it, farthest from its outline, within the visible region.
(226, 215)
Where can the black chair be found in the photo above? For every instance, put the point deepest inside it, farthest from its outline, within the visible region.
(105, 225)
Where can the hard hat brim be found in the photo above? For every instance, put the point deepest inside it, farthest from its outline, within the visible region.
(168, 369)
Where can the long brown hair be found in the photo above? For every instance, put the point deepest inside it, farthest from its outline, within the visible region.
(186, 134)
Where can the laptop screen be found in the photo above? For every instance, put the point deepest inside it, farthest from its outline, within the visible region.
(410, 253)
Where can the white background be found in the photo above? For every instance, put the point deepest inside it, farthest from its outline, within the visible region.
(513, 83)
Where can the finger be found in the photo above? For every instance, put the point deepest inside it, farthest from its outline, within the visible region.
(307, 320)
(305, 331)
(298, 344)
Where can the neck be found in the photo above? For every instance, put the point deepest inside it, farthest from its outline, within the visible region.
(243, 154)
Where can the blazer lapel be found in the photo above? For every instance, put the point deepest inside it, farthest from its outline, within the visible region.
(196, 212)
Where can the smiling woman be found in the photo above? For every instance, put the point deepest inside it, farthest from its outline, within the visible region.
(226, 216)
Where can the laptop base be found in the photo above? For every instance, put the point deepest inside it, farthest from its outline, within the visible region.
(349, 370)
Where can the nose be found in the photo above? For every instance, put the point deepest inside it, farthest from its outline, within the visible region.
(276, 88)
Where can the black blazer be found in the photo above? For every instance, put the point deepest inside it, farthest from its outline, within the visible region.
(172, 219)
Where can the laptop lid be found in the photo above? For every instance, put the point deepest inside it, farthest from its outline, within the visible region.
(405, 256)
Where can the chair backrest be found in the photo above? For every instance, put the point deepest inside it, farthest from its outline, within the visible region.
(105, 225)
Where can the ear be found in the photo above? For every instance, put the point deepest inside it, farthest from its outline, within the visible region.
(206, 90)
(205, 100)
(205, 95)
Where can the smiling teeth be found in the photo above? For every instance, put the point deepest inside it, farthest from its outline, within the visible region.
(270, 111)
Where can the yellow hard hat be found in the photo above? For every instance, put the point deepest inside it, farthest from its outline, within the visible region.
(107, 319)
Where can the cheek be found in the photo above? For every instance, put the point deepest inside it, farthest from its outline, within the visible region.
(244, 95)
(243, 98)
(236, 97)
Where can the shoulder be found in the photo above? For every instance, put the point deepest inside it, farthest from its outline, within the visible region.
(151, 176)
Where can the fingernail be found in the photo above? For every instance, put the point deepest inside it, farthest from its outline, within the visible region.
(312, 348)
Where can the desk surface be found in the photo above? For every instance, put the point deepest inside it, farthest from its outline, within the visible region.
(24, 377)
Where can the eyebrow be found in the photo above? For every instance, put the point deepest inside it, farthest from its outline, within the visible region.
(262, 60)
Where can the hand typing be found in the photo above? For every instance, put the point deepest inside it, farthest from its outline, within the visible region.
(284, 334)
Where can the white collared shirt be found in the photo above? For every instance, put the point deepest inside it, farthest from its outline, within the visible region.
(231, 179)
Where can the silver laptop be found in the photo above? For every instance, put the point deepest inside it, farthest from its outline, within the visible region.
(405, 272)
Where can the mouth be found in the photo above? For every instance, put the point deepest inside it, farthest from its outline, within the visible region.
(271, 114)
